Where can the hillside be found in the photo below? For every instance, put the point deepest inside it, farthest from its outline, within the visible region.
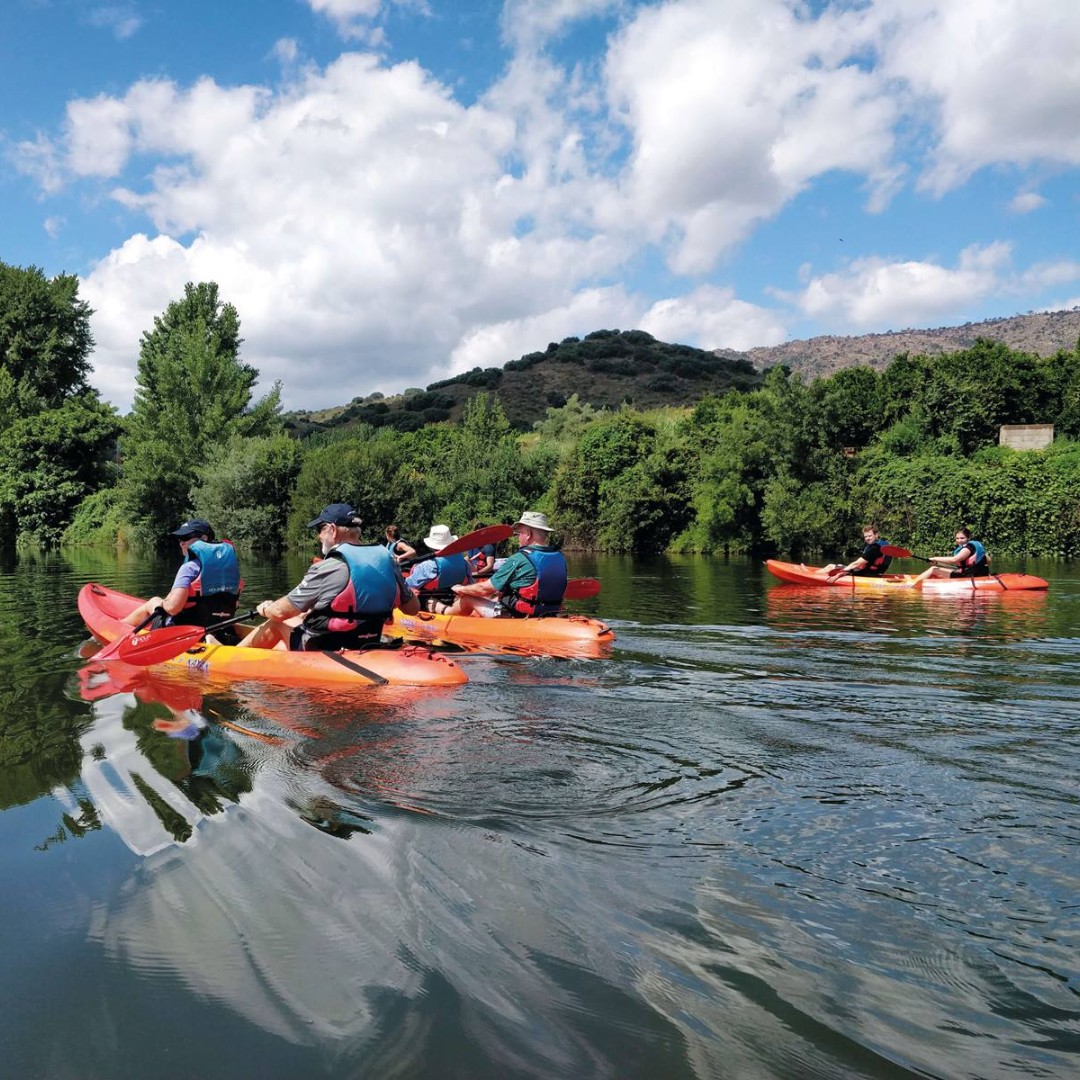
(605, 368)
(1042, 334)
(608, 367)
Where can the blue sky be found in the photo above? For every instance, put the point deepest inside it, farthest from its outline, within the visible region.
(393, 191)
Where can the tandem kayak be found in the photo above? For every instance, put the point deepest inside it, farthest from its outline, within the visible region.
(556, 635)
(799, 574)
(102, 609)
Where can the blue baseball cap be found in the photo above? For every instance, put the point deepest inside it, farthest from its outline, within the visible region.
(336, 514)
(194, 527)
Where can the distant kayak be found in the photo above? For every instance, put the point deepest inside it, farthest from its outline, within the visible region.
(556, 635)
(800, 574)
(102, 609)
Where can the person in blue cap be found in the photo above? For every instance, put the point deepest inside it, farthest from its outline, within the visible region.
(344, 599)
(206, 587)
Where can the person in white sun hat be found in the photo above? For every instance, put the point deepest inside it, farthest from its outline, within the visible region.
(531, 583)
(432, 579)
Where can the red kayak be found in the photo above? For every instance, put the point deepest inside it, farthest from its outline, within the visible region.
(800, 574)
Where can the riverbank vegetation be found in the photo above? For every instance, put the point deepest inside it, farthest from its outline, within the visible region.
(772, 464)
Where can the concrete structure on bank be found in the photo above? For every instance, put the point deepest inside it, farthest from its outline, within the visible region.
(1026, 436)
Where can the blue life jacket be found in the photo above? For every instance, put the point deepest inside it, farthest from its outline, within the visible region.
(545, 595)
(213, 595)
(975, 565)
(356, 615)
(450, 570)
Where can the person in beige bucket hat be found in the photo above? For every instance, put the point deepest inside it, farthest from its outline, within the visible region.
(531, 583)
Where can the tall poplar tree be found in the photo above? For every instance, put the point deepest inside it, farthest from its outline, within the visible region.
(193, 394)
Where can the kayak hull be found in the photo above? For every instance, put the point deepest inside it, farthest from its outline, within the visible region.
(558, 635)
(799, 574)
(102, 609)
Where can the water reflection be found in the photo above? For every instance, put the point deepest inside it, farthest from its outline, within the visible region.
(1015, 615)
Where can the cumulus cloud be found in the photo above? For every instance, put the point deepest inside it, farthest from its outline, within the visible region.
(874, 293)
(713, 318)
(999, 76)
(734, 112)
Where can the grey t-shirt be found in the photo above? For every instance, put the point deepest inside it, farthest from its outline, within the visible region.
(324, 580)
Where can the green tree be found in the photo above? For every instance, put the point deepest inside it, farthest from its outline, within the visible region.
(247, 489)
(193, 396)
(45, 341)
(50, 461)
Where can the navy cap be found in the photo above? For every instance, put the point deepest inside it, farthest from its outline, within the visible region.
(336, 514)
(194, 527)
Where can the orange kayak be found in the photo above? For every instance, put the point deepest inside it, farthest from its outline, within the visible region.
(557, 635)
(800, 574)
(102, 609)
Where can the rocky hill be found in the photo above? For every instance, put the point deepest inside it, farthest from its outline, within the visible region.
(1042, 334)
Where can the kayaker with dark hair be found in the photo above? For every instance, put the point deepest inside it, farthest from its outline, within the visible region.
(206, 587)
(432, 578)
(343, 600)
(969, 559)
(529, 583)
(481, 560)
(400, 549)
(872, 562)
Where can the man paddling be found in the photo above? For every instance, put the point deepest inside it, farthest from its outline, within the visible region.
(206, 587)
(343, 600)
(872, 561)
(531, 583)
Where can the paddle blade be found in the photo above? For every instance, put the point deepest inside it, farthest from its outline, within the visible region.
(581, 588)
(895, 552)
(111, 651)
(493, 534)
(157, 646)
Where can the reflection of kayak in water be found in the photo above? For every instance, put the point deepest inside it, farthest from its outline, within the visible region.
(102, 609)
(558, 635)
(798, 574)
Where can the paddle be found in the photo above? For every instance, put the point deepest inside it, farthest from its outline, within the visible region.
(157, 646)
(492, 534)
(109, 652)
(903, 553)
(581, 588)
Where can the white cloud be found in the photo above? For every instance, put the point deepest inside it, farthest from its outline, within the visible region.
(874, 293)
(122, 19)
(493, 344)
(734, 111)
(999, 76)
(351, 17)
(1026, 201)
(53, 226)
(713, 318)
(529, 24)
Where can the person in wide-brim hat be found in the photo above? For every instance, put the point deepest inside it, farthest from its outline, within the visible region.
(432, 578)
(531, 583)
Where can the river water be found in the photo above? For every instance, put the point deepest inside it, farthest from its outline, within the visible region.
(777, 833)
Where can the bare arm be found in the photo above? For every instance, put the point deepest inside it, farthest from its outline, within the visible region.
(477, 588)
(278, 610)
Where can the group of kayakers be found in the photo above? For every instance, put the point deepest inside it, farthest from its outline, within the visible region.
(346, 596)
(968, 558)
